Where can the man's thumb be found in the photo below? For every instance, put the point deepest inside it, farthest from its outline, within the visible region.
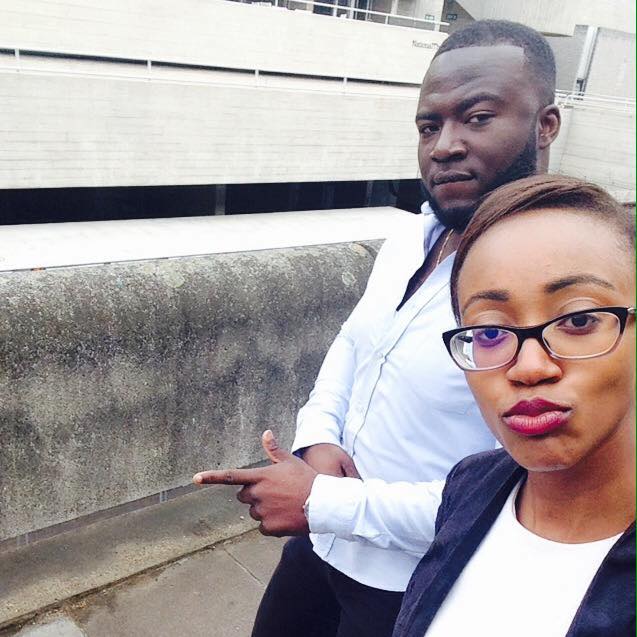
(272, 449)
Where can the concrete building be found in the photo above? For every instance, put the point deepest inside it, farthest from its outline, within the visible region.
(137, 351)
(164, 108)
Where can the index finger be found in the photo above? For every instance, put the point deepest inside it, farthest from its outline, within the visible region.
(229, 476)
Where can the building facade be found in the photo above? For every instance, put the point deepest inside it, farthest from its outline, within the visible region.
(173, 109)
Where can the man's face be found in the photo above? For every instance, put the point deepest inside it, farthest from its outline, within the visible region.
(477, 121)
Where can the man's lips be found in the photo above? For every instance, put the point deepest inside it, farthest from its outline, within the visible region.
(450, 176)
(536, 417)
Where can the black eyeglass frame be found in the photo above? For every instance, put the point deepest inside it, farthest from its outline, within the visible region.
(535, 331)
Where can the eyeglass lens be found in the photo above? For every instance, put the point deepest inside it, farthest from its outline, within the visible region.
(580, 336)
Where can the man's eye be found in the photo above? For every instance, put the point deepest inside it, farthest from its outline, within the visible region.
(480, 118)
(428, 129)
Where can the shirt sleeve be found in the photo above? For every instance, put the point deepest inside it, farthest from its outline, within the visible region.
(396, 515)
(322, 418)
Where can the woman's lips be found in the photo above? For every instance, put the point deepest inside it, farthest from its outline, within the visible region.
(536, 417)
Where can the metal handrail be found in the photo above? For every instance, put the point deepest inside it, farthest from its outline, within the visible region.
(348, 11)
(577, 99)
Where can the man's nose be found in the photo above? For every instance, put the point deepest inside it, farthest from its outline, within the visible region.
(534, 365)
(449, 144)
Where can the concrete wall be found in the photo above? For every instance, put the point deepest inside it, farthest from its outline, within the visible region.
(218, 33)
(91, 123)
(558, 18)
(119, 381)
(85, 131)
(612, 69)
(597, 145)
(567, 51)
(455, 8)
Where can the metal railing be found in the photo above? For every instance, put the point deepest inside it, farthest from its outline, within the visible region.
(576, 99)
(339, 10)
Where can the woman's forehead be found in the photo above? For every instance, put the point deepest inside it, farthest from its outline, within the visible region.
(529, 250)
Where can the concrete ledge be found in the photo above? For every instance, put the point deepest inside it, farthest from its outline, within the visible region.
(54, 245)
(40, 576)
(120, 380)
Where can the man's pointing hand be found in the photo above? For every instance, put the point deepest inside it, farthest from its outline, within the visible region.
(276, 494)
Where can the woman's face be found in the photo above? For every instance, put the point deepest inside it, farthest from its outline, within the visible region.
(526, 270)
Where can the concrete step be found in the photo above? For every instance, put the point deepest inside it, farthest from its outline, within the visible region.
(211, 593)
(47, 573)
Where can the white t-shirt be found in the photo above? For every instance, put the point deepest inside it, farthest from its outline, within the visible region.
(518, 583)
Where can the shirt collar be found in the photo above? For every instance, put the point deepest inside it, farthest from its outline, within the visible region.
(432, 226)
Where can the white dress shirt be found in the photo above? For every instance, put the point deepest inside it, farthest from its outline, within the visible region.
(389, 394)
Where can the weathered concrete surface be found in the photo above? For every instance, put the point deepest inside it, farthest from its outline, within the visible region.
(44, 574)
(119, 381)
(57, 626)
(211, 593)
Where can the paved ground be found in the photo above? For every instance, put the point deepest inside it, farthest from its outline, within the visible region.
(211, 593)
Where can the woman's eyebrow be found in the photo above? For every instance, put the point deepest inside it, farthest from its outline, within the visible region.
(575, 279)
(487, 295)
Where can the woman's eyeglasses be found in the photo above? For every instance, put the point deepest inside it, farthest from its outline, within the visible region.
(576, 335)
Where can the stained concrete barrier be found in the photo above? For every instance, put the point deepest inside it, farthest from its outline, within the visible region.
(118, 381)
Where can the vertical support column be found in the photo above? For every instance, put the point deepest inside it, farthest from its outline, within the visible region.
(369, 188)
(293, 196)
(220, 199)
(327, 198)
(586, 58)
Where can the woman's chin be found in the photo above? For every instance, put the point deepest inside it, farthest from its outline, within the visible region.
(540, 455)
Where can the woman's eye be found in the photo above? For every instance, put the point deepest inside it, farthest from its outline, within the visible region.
(489, 336)
(579, 322)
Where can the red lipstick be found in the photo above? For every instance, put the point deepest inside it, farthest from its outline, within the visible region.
(536, 417)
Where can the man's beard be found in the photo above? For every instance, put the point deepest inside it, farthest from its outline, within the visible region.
(524, 165)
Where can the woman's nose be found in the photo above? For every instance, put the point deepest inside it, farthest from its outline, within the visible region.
(534, 365)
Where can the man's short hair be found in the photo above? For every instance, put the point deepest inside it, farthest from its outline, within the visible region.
(537, 51)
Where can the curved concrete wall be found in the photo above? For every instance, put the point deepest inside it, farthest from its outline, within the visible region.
(97, 131)
(557, 18)
(270, 94)
(119, 381)
(220, 33)
(597, 143)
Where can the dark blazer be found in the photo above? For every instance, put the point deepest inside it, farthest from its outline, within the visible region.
(475, 492)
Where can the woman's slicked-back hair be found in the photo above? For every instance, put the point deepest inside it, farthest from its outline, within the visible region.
(541, 192)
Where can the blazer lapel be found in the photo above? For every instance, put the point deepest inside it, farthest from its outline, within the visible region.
(474, 511)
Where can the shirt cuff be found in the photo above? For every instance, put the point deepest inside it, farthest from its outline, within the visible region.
(333, 503)
(314, 433)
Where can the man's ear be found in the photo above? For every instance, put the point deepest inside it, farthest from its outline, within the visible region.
(549, 122)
